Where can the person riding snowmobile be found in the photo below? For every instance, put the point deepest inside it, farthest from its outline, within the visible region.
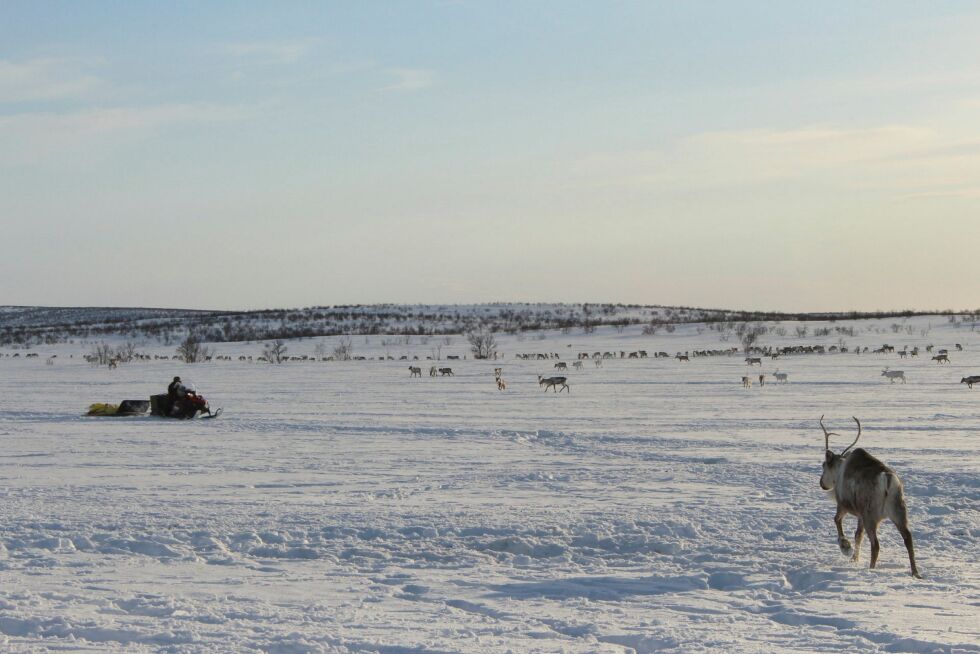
(176, 392)
(175, 389)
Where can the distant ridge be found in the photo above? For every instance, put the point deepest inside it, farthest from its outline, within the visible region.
(26, 325)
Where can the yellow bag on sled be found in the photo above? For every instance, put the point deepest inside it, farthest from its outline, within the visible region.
(102, 409)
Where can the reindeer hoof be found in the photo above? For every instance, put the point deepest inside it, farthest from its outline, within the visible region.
(845, 546)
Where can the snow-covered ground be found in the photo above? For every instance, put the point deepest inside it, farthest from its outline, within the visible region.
(346, 507)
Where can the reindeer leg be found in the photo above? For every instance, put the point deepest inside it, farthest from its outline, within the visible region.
(907, 537)
(842, 542)
(858, 535)
(902, 524)
(872, 530)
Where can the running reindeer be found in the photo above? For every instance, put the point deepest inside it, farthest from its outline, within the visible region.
(866, 488)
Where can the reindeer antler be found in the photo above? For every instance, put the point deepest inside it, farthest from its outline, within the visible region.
(826, 434)
(855, 439)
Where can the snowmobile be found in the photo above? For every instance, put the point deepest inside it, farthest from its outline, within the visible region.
(191, 405)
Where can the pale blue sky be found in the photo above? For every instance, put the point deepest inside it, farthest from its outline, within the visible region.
(772, 155)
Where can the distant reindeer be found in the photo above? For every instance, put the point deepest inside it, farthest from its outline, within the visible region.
(577, 365)
(554, 382)
(902, 354)
(598, 363)
(561, 365)
(893, 375)
(941, 358)
(970, 381)
(446, 371)
(433, 371)
(959, 348)
(746, 382)
(753, 360)
(501, 384)
(866, 488)
(415, 370)
(498, 373)
(762, 380)
(683, 357)
(781, 377)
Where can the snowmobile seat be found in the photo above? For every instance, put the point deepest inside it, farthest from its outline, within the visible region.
(160, 405)
(133, 407)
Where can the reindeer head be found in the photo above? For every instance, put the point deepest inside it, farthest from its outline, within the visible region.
(832, 462)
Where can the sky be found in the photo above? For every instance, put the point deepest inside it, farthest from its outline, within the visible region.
(794, 156)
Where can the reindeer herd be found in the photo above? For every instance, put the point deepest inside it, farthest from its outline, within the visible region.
(558, 384)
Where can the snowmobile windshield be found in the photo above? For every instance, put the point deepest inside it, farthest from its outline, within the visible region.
(189, 386)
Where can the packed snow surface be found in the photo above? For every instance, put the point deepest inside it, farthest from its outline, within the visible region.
(347, 507)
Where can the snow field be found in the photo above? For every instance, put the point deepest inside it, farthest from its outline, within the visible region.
(344, 507)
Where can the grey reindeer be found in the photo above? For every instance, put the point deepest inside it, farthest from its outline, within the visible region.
(866, 488)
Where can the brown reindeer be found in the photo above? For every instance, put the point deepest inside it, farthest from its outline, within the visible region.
(866, 488)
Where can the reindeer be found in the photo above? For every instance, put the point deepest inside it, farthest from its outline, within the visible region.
(781, 377)
(433, 371)
(762, 380)
(598, 363)
(941, 358)
(446, 371)
(501, 384)
(866, 488)
(415, 370)
(753, 360)
(746, 382)
(554, 382)
(498, 373)
(561, 365)
(683, 357)
(893, 375)
(577, 365)
(970, 381)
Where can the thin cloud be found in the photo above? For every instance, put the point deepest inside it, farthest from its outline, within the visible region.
(888, 158)
(410, 79)
(45, 79)
(278, 52)
(32, 138)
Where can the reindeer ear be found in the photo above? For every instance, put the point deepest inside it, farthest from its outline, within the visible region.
(829, 456)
